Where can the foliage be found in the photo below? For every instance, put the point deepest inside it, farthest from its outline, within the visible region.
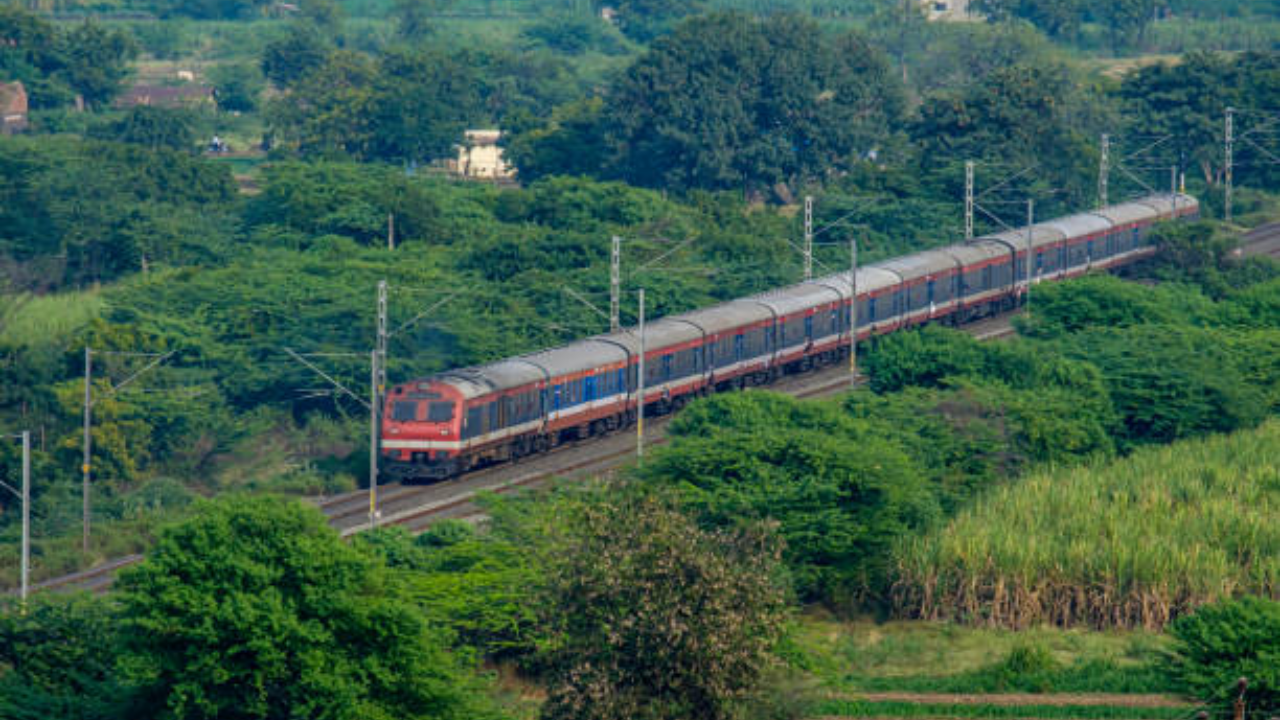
(644, 20)
(83, 211)
(253, 609)
(732, 102)
(237, 86)
(58, 659)
(655, 618)
(1209, 505)
(55, 64)
(306, 201)
(573, 35)
(1187, 100)
(1107, 301)
(478, 585)
(151, 127)
(1013, 117)
(1169, 382)
(1224, 641)
(839, 498)
(1201, 255)
(301, 51)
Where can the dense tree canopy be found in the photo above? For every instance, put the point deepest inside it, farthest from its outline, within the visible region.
(728, 101)
(56, 64)
(256, 609)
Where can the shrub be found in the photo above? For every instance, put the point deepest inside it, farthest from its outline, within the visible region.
(1225, 641)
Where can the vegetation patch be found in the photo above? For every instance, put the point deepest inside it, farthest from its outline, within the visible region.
(1211, 506)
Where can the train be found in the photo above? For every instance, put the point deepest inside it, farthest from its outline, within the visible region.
(445, 425)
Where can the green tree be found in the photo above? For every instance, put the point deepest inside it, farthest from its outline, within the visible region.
(1220, 643)
(729, 101)
(570, 143)
(287, 60)
(1060, 18)
(156, 128)
(96, 61)
(413, 17)
(655, 618)
(644, 20)
(237, 86)
(1020, 115)
(58, 660)
(256, 609)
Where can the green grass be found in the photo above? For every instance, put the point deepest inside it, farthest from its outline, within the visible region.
(1131, 544)
(30, 320)
(915, 656)
(863, 708)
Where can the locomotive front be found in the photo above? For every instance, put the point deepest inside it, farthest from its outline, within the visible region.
(421, 431)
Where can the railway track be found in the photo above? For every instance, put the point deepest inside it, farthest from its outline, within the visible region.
(416, 507)
(1263, 240)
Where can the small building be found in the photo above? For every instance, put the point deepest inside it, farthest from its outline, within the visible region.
(948, 10)
(609, 14)
(480, 157)
(13, 108)
(166, 96)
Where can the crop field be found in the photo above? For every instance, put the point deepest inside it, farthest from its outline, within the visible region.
(1134, 544)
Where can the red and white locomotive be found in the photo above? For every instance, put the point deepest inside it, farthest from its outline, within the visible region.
(447, 424)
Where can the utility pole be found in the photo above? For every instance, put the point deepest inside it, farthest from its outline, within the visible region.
(968, 200)
(808, 237)
(381, 346)
(26, 514)
(25, 496)
(1173, 187)
(1031, 218)
(1230, 161)
(615, 285)
(640, 388)
(373, 440)
(391, 231)
(1104, 171)
(853, 313)
(84, 465)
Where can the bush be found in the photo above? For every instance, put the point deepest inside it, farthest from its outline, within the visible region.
(1226, 641)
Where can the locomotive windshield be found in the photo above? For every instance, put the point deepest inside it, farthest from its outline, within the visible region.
(404, 411)
(440, 412)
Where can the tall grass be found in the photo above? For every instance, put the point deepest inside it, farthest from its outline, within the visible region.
(29, 320)
(1133, 544)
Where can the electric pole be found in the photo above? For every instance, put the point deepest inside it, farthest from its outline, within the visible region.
(615, 284)
(640, 389)
(26, 514)
(373, 440)
(968, 200)
(1104, 171)
(84, 465)
(1230, 161)
(853, 313)
(381, 346)
(808, 237)
(1031, 217)
(391, 231)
